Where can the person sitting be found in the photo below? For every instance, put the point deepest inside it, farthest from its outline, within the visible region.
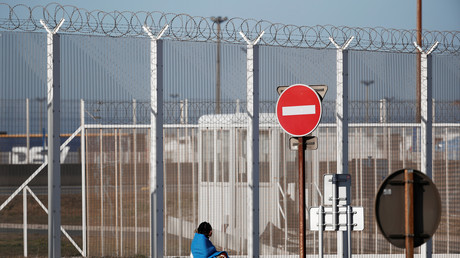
(202, 246)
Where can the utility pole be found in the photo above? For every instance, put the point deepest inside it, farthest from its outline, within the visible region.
(367, 84)
(41, 128)
(218, 20)
(418, 60)
(302, 207)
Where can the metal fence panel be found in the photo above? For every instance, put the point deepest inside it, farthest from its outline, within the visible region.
(205, 155)
(378, 80)
(279, 198)
(446, 144)
(446, 78)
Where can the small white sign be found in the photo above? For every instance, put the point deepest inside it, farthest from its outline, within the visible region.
(343, 184)
(299, 110)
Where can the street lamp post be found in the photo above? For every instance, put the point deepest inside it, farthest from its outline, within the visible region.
(41, 127)
(218, 20)
(418, 71)
(367, 84)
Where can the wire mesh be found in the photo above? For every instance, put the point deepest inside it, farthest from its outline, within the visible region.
(15, 172)
(117, 199)
(445, 162)
(205, 151)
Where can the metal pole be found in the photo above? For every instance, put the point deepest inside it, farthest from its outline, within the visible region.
(252, 89)
(42, 129)
(101, 191)
(321, 229)
(54, 142)
(218, 70)
(327, 172)
(27, 131)
(349, 228)
(418, 63)
(120, 162)
(361, 184)
(285, 198)
(342, 125)
(367, 84)
(447, 191)
(253, 149)
(409, 212)
(24, 218)
(335, 214)
(194, 172)
(156, 183)
(302, 216)
(426, 126)
(135, 173)
(179, 190)
(83, 176)
(376, 230)
(367, 103)
(117, 228)
(155, 240)
(218, 20)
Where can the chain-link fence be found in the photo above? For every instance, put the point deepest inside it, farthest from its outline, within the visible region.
(106, 151)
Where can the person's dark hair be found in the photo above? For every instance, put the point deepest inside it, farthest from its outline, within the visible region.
(204, 228)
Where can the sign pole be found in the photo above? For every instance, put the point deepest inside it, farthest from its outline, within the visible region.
(298, 110)
(409, 212)
(302, 219)
(320, 230)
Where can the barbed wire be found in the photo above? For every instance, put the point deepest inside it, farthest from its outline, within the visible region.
(184, 27)
(175, 112)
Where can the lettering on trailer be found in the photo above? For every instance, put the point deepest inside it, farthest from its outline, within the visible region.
(36, 155)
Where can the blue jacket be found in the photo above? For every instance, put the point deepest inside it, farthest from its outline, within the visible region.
(202, 247)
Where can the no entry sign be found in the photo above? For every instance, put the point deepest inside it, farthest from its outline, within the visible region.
(298, 110)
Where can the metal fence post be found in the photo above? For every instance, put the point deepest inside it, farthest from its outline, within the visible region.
(135, 173)
(101, 189)
(156, 144)
(118, 185)
(27, 131)
(342, 127)
(252, 91)
(54, 140)
(24, 218)
(83, 177)
(426, 126)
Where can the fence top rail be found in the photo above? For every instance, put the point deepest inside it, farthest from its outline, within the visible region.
(195, 28)
(265, 125)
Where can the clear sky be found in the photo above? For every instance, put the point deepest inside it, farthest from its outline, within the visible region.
(438, 15)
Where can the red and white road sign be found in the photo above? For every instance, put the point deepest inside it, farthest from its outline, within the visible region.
(298, 110)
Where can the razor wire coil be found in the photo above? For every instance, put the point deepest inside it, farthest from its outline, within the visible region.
(184, 27)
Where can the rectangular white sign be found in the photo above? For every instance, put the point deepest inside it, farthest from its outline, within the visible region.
(299, 110)
(343, 185)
